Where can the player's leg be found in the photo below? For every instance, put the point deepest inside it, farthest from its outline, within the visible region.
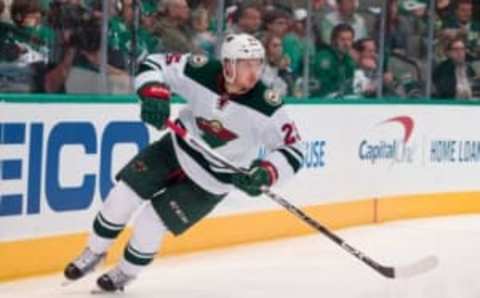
(139, 180)
(119, 206)
(180, 206)
(148, 232)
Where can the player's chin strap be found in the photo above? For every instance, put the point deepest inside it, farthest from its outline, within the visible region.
(421, 266)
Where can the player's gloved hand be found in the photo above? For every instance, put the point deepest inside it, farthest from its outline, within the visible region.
(261, 173)
(155, 108)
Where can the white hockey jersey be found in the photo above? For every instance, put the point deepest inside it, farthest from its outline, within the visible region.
(236, 126)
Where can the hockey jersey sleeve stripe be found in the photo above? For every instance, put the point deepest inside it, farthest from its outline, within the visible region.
(293, 153)
(203, 162)
(298, 152)
(291, 159)
(153, 64)
(143, 68)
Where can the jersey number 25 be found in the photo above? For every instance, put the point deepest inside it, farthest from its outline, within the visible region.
(291, 133)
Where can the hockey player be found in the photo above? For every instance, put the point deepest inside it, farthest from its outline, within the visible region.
(174, 183)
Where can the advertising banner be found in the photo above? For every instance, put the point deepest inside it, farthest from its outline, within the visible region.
(58, 160)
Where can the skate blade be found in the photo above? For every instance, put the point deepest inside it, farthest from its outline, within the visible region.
(98, 291)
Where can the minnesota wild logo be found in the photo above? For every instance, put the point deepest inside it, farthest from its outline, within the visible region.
(197, 60)
(272, 97)
(214, 133)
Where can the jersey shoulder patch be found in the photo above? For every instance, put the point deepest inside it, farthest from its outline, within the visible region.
(272, 97)
(197, 60)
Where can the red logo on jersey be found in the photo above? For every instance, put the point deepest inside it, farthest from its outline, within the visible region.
(214, 133)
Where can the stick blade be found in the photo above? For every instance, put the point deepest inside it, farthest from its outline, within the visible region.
(421, 266)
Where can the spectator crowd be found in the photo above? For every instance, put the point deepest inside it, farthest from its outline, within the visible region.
(56, 46)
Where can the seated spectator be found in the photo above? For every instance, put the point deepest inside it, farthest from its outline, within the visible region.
(202, 38)
(397, 29)
(345, 14)
(10, 75)
(365, 79)
(445, 8)
(277, 74)
(365, 75)
(294, 42)
(149, 15)
(172, 27)
(33, 39)
(120, 34)
(247, 18)
(333, 66)
(79, 72)
(276, 22)
(463, 23)
(8, 48)
(452, 77)
(320, 9)
(26, 48)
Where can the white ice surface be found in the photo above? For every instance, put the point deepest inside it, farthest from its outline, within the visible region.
(304, 267)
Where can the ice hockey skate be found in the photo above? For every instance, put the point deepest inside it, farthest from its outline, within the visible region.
(113, 281)
(83, 264)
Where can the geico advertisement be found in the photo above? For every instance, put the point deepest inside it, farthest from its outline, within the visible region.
(58, 161)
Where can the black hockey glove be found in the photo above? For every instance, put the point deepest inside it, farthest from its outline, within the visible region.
(155, 104)
(261, 173)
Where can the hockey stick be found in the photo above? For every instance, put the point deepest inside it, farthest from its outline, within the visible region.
(421, 266)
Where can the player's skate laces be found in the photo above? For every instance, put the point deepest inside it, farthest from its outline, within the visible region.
(82, 265)
(114, 280)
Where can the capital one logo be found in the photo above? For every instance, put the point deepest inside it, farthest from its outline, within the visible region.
(387, 143)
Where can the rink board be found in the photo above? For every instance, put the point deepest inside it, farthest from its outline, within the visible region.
(365, 164)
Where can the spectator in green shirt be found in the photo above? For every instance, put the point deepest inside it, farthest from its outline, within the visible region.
(149, 15)
(333, 67)
(120, 35)
(33, 39)
(294, 42)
